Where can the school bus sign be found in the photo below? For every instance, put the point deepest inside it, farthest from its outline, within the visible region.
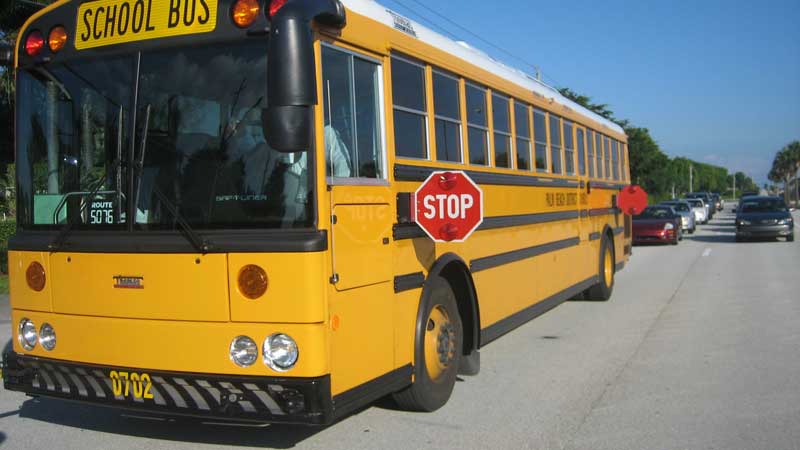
(449, 206)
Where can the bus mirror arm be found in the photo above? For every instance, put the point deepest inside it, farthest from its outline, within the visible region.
(6, 55)
(291, 72)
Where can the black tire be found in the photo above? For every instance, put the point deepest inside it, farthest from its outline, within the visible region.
(691, 230)
(790, 238)
(428, 394)
(739, 239)
(602, 291)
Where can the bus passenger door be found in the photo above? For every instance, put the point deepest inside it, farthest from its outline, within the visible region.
(362, 337)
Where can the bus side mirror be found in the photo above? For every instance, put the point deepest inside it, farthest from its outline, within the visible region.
(291, 72)
(6, 55)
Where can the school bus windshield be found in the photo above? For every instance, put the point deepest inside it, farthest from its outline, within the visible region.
(203, 150)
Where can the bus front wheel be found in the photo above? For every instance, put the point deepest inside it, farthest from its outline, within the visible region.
(437, 349)
(605, 285)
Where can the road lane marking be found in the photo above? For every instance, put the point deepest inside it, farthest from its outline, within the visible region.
(707, 252)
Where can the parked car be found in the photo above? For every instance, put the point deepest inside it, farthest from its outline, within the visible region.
(657, 224)
(684, 209)
(766, 217)
(699, 208)
(707, 200)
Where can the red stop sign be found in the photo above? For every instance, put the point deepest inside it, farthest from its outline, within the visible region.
(632, 200)
(449, 206)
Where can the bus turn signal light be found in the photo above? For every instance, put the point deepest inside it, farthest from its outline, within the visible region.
(253, 281)
(275, 6)
(245, 12)
(34, 43)
(57, 38)
(35, 276)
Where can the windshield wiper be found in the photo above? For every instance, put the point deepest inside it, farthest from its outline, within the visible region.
(199, 243)
(56, 245)
(58, 242)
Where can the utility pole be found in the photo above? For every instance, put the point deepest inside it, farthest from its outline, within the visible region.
(673, 190)
(691, 175)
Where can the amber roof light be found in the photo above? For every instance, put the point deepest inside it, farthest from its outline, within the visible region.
(245, 12)
(57, 38)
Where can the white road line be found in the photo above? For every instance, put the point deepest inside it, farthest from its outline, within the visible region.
(707, 252)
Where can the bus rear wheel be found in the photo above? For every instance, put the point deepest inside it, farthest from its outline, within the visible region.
(437, 350)
(605, 285)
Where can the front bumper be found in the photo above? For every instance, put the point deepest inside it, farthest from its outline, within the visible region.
(216, 397)
(764, 231)
(643, 238)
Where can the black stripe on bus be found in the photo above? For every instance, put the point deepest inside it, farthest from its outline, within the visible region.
(594, 236)
(408, 282)
(502, 327)
(370, 391)
(404, 172)
(489, 262)
(602, 211)
(619, 230)
(411, 230)
(606, 185)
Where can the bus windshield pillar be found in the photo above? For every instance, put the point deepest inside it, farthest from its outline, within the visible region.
(291, 71)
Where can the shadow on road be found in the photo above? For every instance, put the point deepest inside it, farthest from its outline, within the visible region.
(106, 420)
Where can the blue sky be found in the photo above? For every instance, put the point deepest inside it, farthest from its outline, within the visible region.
(716, 81)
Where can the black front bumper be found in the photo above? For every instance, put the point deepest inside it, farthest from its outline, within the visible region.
(214, 397)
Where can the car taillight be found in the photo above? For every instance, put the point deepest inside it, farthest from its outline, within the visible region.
(34, 43)
(275, 6)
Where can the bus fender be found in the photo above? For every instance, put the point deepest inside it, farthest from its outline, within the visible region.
(453, 269)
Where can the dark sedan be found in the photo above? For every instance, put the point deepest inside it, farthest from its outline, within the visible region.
(763, 217)
(657, 224)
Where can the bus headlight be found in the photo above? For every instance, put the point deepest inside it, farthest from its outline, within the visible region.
(280, 352)
(47, 337)
(244, 351)
(27, 334)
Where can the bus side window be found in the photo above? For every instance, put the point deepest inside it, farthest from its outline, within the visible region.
(353, 131)
(555, 144)
(540, 138)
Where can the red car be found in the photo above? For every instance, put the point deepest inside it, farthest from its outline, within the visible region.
(657, 224)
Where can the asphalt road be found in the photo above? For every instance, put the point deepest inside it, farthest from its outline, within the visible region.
(698, 349)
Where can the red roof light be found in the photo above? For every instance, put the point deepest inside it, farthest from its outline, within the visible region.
(275, 6)
(35, 43)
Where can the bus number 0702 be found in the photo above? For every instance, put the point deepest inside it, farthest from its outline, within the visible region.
(127, 383)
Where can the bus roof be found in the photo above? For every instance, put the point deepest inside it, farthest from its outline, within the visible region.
(464, 51)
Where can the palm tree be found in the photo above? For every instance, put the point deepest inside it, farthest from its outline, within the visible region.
(785, 167)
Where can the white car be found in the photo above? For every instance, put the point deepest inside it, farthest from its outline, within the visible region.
(699, 208)
(684, 209)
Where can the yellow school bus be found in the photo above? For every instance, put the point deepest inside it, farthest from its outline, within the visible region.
(214, 207)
